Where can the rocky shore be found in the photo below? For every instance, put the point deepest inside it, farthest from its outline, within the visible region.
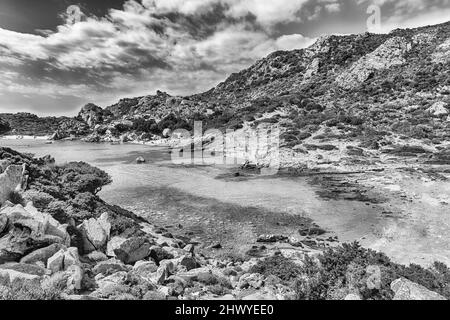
(59, 240)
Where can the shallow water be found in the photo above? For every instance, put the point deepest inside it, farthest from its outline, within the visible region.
(215, 210)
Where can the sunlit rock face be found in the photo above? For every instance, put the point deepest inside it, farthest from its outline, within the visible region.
(11, 179)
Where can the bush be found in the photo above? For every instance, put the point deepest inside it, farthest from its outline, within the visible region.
(278, 266)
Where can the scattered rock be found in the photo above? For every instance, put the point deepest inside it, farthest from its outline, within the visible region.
(133, 250)
(140, 160)
(408, 290)
(42, 255)
(95, 233)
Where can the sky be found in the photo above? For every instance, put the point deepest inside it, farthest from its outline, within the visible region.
(57, 55)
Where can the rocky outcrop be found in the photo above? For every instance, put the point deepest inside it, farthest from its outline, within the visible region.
(408, 290)
(91, 114)
(12, 179)
(29, 230)
(390, 54)
(442, 53)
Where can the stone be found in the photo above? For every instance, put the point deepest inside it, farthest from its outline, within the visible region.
(140, 160)
(271, 238)
(158, 254)
(352, 297)
(133, 250)
(24, 268)
(12, 276)
(95, 233)
(42, 255)
(154, 295)
(75, 278)
(145, 268)
(3, 223)
(11, 180)
(71, 258)
(167, 133)
(109, 267)
(164, 271)
(114, 244)
(438, 109)
(96, 256)
(56, 262)
(258, 296)
(254, 280)
(408, 290)
(189, 263)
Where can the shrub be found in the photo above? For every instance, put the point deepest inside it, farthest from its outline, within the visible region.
(278, 266)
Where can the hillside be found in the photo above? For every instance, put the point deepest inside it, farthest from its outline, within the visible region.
(366, 91)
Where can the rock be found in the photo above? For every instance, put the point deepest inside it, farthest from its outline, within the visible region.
(189, 263)
(113, 244)
(258, 296)
(71, 258)
(96, 256)
(352, 296)
(207, 278)
(75, 278)
(438, 109)
(3, 223)
(158, 254)
(408, 290)
(24, 268)
(271, 238)
(165, 270)
(145, 268)
(155, 295)
(4, 126)
(12, 276)
(216, 246)
(133, 250)
(42, 255)
(109, 267)
(91, 114)
(389, 54)
(113, 282)
(95, 233)
(140, 160)
(167, 133)
(56, 262)
(12, 179)
(254, 280)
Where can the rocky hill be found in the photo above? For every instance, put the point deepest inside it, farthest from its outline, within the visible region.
(377, 93)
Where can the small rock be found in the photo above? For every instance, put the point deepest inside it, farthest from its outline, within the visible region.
(140, 160)
(158, 254)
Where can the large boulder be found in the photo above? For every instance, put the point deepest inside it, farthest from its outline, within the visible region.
(408, 290)
(42, 255)
(11, 179)
(95, 233)
(29, 230)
